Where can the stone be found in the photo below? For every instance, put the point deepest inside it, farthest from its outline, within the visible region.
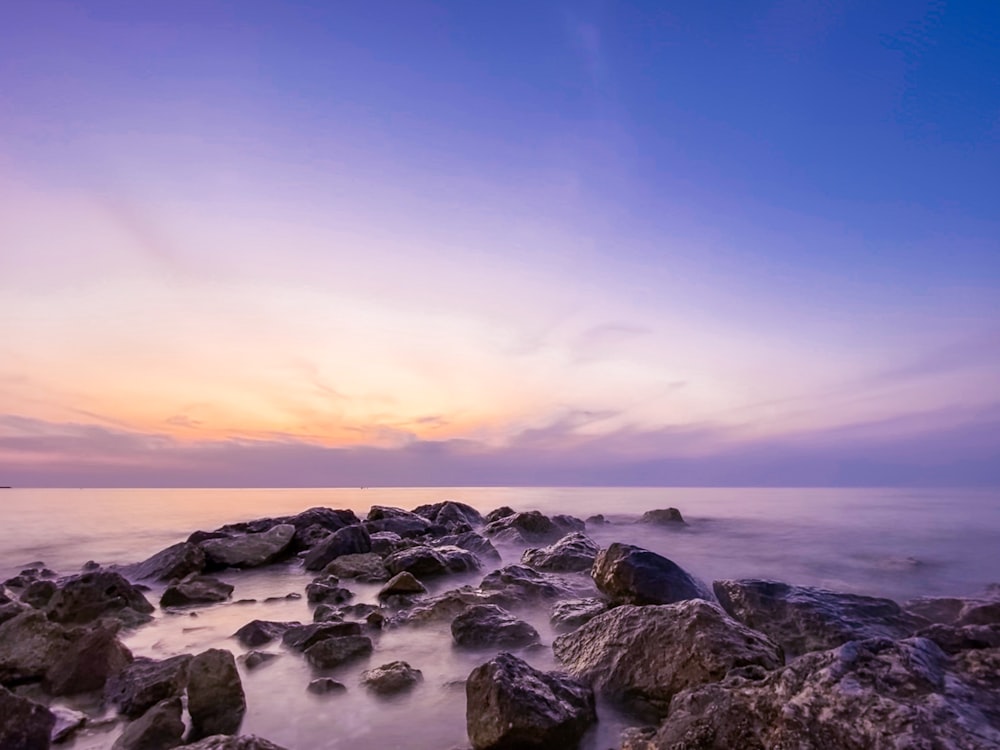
(663, 517)
(573, 552)
(389, 679)
(31, 645)
(404, 584)
(524, 528)
(957, 611)
(475, 543)
(254, 659)
(447, 606)
(39, 593)
(86, 597)
(350, 540)
(572, 613)
(458, 560)
(450, 513)
(227, 742)
(325, 686)
(597, 519)
(216, 701)
(386, 542)
(509, 704)
(497, 513)
(88, 663)
(146, 682)
(302, 637)
(249, 550)
(24, 724)
(173, 563)
(396, 520)
(519, 583)
(643, 656)
(489, 626)
(631, 575)
(366, 567)
(160, 728)
(259, 632)
(422, 561)
(803, 618)
(196, 589)
(68, 722)
(10, 610)
(954, 638)
(333, 652)
(325, 591)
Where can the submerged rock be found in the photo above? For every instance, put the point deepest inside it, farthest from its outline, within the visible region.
(632, 575)
(102, 593)
(509, 704)
(174, 562)
(196, 589)
(663, 517)
(326, 685)
(88, 663)
(326, 591)
(333, 652)
(573, 613)
(216, 700)
(350, 540)
(146, 682)
(574, 551)
(160, 728)
(389, 679)
(24, 724)
(302, 637)
(254, 659)
(487, 625)
(259, 632)
(249, 550)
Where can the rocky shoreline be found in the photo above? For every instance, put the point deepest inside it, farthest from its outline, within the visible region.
(738, 664)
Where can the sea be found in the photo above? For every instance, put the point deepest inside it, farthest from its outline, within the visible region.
(896, 543)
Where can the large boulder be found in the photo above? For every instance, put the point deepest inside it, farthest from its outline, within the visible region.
(249, 550)
(572, 613)
(877, 694)
(366, 567)
(663, 517)
(643, 656)
(509, 704)
(146, 682)
(475, 543)
(174, 562)
(227, 742)
(31, 645)
(160, 728)
(88, 663)
(458, 560)
(196, 589)
(350, 540)
(422, 561)
(574, 551)
(527, 528)
(100, 593)
(24, 724)
(216, 700)
(389, 679)
(803, 618)
(632, 575)
(258, 632)
(332, 652)
(398, 521)
(450, 514)
(488, 626)
(497, 513)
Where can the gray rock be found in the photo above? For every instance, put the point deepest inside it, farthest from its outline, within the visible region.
(663, 517)
(175, 562)
(196, 589)
(632, 575)
(160, 728)
(475, 543)
(226, 742)
(574, 551)
(366, 567)
(31, 645)
(572, 613)
(88, 663)
(802, 618)
(11, 610)
(39, 593)
(324, 590)
(497, 513)
(215, 694)
(509, 704)
(254, 659)
(101, 593)
(325, 686)
(447, 606)
(389, 679)
(517, 583)
(302, 637)
(24, 724)
(146, 682)
(350, 540)
(249, 550)
(422, 561)
(487, 626)
(450, 513)
(525, 528)
(258, 632)
(458, 560)
(596, 520)
(956, 610)
(643, 656)
(402, 584)
(954, 638)
(398, 521)
(384, 543)
(333, 652)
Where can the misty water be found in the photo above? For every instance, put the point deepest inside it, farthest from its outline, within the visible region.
(886, 542)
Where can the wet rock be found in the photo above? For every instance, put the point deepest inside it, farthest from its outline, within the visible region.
(497, 513)
(876, 694)
(249, 550)
(404, 584)
(88, 663)
(259, 632)
(175, 562)
(643, 656)
(254, 659)
(458, 560)
(595, 520)
(324, 590)
(11, 610)
(422, 561)
(327, 613)
(359, 611)
(102, 593)
(67, 723)
(803, 618)
(215, 694)
(366, 567)
(956, 610)
(955, 638)
(160, 728)
(396, 520)
(574, 551)
(326, 685)
(303, 637)
(509, 704)
(384, 543)
(447, 606)
(519, 583)
(24, 724)
(663, 517)
(146, 682)
(572, 613)
(39, 593)
(450, 514)
(389, 679)
(632, 575)
(475, 543)
(524, 528)
(350, 540)
(487, 625)
(31, 645)
(226, 742)
(333, 652)
(196, 589)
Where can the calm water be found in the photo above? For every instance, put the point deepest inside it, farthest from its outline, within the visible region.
(896, 543)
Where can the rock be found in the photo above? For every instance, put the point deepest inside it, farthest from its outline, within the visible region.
(333, 652)
(954, 638)
(524, 528)
(386, 542)
(326, 685)
(404, 584)
(632, 575)
(24, 724)
(421, 561)
(302, 637)
(495, 515)
(663, 517)
(518, 583)
(39, 593)
(473, 542)
(196, 589)
(509, 704)
(215, 694)
(450, 513)
(31, 645)
(643, 656)
(955, 610)
(175, 562)
(88, 663)
(458, 560)
(327, 613)
(68, 722)
(350, 540)
(258, 632)
(396, 520)
(359, 611)
(160, 728)
(254, 659)
(102, 593)
(802, 618)
(389, 679)
(596, 520)
(226, 742)
(572, 613)
(11, 610)
(146, 682)
(325, 591)
(447, 606)
(487, 625)
(574, 551)
(876, 694)
(250, 550)
(366, 567)
(568, 524)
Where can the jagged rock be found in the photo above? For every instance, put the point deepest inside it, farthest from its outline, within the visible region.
(324, 590)
(497, 513)
(421, 561)
(955, 610)
(473, 542)
(366, 567)
(39, 593)
(384, 543)
(350, 540)
(573, 613)
(226, 742)
(10, 610)
(447, 606)
(873, 695)
(663, 517)
(632, 575)
(803, 618)
(404, 584)
(174, 562)
(450, 513)
(333, 652)
(574, 551)
(326, 685)
(458, 560)
(146, 682)
(249, 550)
(643, 656)
(196, 589)
(327, 613)
(86, 597)
(215, 694)
(160, 728)
(525, 528)
(31, 645)
(302, 637)
(509, 704)
(487, 625)
(24, 724)
(518, 583)
(389, 679)
(88, 663)
(68, 722)
(254, 659)
(397, 520)
(258, 632)
(954, 638)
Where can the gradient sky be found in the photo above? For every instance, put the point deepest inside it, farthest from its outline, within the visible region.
(460, 243)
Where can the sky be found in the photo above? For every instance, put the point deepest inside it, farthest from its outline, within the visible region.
(471, 243)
